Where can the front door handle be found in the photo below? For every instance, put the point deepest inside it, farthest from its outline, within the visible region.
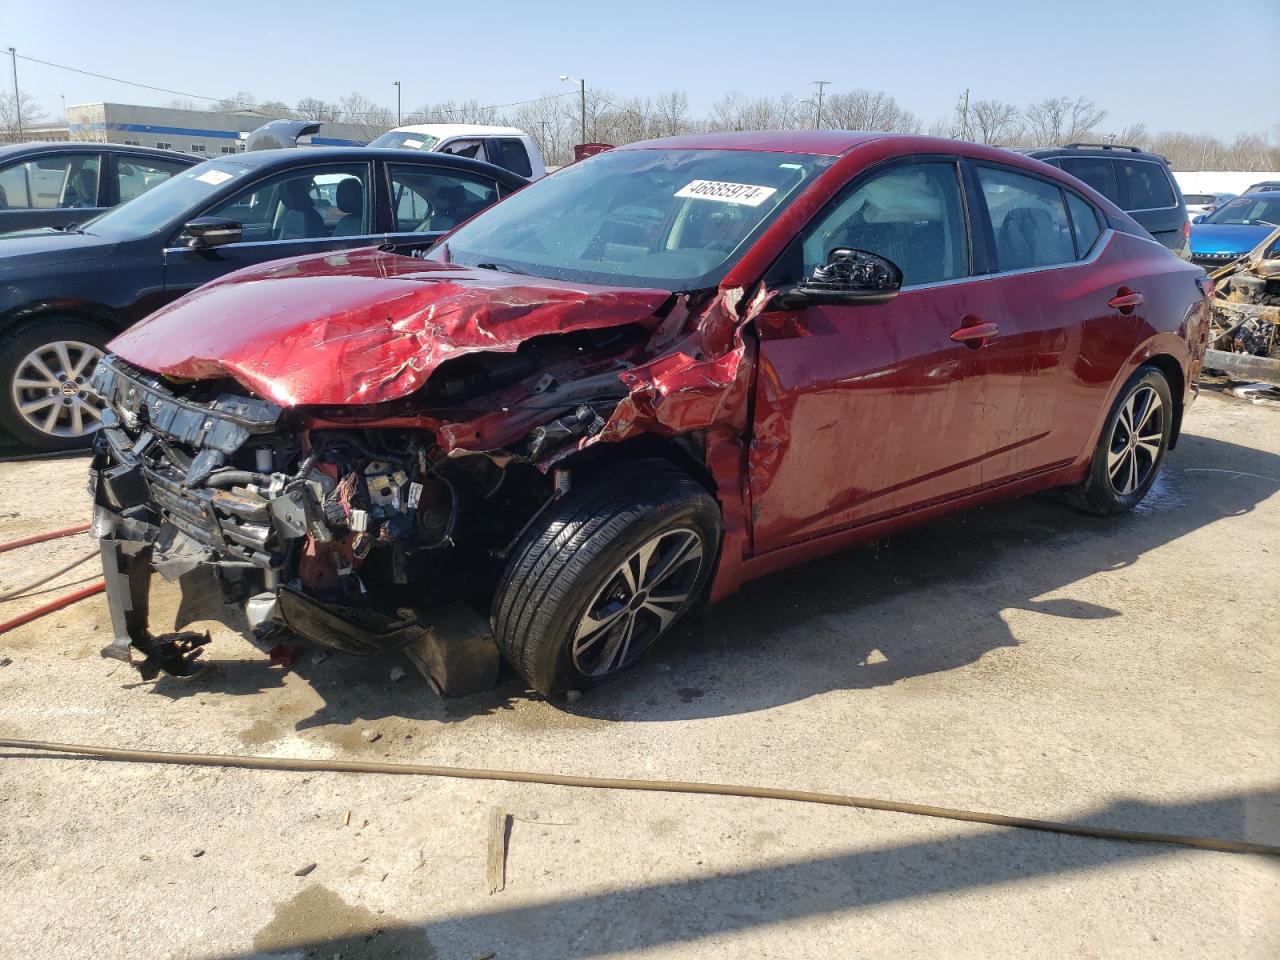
(975, 334)
(1125, 300)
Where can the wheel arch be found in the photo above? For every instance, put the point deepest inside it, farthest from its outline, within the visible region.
(1169, 366)
(98, 314)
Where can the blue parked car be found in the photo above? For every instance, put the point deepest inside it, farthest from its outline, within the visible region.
(1234, 229)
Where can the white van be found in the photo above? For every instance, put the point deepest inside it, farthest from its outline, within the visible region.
(504, 146)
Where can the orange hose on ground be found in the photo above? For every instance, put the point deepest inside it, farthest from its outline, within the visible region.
(64, 601)
(42, 537)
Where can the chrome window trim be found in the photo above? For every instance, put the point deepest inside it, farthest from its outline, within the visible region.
(1103, 241)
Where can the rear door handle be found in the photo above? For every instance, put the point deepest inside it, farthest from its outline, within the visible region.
(1125, 300)
(977, 331)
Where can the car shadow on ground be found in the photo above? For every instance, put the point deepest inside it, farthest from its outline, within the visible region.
(732, 902)
(925, 601)
(929, 599)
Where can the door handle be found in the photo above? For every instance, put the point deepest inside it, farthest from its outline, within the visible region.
(1125, 300)
(979, 332)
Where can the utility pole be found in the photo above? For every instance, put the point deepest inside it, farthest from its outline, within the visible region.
(17, 95)
(817, 124)
(397, 83)
(964, 116)
(582, 88)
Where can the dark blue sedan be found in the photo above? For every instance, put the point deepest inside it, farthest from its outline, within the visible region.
(1234, 229)
(65, 293)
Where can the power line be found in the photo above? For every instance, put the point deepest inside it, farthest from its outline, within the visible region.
(242, 103)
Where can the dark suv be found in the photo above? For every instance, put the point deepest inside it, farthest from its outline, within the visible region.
(1140, 183)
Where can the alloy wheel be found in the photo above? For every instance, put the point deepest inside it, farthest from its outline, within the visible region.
(1135, 441)
(51, 389)
(638, 602)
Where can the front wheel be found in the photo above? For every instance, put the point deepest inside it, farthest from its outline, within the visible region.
(45, 368)
(1131, 447)
(605, 573)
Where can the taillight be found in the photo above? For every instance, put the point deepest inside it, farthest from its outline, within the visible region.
(1206, 287)
(1186, 229)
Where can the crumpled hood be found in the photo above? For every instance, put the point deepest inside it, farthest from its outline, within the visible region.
(362, 326)
(1226, 237)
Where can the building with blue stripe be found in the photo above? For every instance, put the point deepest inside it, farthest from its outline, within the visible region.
(197, 132)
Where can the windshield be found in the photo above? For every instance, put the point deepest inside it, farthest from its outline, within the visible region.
(1251, 211)
(163, 204)
(670, 219)
(1198, 199)
(405, 140)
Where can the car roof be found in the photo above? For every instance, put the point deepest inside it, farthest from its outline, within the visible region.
(829, 143)
(1090, 150)
(288, 156)
(39, 147)
(444, 131)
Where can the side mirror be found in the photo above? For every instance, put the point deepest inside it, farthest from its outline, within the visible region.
(1199, 218)
(850, 277)
(212, 231)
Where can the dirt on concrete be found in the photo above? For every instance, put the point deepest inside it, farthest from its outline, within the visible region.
(1023, 658)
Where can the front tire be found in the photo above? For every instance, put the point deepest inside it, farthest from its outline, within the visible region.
(45, 401)
(604, 574)
(1130, 448)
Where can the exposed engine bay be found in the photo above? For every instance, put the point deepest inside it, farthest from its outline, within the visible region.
(1246, 310)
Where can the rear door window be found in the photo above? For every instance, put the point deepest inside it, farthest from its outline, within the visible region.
(135, 177)
(1144, 185)
(514, 156)
(1097, 172)
(427, 199)
(1028, 218)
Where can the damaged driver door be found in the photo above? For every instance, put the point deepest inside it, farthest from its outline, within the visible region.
(865, 409)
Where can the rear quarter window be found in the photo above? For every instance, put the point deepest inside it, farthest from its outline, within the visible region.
(1084, 224)
(1144, 185)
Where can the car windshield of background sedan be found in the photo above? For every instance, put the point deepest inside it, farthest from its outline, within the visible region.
(1248, 211)
(404, 140)
(669, 219)
(160, 205)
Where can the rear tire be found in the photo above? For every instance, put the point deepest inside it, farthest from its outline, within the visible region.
(45, 369)
(604, 574)
(1130, 448)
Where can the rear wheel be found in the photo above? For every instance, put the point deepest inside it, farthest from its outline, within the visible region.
(1131, 447)
(604, 575)
(45, 370)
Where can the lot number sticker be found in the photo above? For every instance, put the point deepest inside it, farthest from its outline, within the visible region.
(746, 194)
(214, 177)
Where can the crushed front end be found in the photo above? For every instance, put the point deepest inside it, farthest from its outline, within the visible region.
(343, 535)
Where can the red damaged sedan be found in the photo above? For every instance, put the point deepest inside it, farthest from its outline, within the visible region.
(629, 388)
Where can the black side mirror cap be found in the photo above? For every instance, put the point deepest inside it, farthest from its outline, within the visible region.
(852, 277)
(213, 231)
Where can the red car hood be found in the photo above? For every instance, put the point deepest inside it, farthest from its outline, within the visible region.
(361, 326)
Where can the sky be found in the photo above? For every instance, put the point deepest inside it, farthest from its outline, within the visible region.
(1171, 64)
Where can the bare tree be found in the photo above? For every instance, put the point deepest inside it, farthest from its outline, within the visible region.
(242, 101)
(671, 113)
(18, 112)
(995, 122)
(868, 110)
(1054, 121)
(313, 108)
(360, 111)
